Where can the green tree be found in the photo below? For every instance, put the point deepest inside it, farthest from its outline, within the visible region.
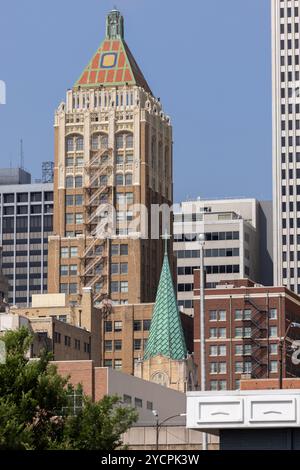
(35, 408)
(98, 426)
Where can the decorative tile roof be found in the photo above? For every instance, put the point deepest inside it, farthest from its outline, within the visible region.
(113, 64)
(166, 336)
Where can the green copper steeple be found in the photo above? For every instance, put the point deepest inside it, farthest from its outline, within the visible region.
(166, 335)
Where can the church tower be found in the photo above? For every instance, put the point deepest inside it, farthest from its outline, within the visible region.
(166, 360)
(113, 149)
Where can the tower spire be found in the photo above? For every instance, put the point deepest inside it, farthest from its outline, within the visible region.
(166, 336)
(114, 25)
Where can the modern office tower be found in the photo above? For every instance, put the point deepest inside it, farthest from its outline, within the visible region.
(26, 223)
(113, 146)
(286, 142)
(236, 243)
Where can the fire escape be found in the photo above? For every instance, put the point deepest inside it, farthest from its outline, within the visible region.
(258, 321)
(98, 201)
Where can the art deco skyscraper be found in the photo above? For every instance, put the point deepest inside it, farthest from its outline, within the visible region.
(113, 145)
(286, 142)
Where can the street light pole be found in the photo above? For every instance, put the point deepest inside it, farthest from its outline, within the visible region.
(281, 346)
(158, 425)
(202, 326)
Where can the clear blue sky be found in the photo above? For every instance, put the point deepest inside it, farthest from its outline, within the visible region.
(209, 61)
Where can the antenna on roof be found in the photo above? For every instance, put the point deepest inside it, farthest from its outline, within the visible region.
(21, 154)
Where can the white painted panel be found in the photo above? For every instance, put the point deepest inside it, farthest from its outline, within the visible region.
(213, 412)
(273, 410)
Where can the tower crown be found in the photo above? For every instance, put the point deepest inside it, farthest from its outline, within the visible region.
(113, 64)
(114, 25)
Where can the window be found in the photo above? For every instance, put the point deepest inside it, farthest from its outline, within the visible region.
(239, 367)
(78, 219)
(118, 345)
(222, 315)
(222, 367)
(146, 325)
(213, 332)
(273, 348)
(127, 399)
(149, 405)
(79, 143)
(273, 314)
(63, 288)
(222, 350)
(137, 325)
(115, 250)
(73, 269)
(67, 341)
(214, 385)
(69, 218)
(119, 179)
(73, 251)
(69, 182)
(138, 403)
(72, 288)
(118, 364)
(213, 350)
(273, 366)
(69, 200)
(64, 252)
(273, 331)
(213, 316)
(78, 181)
(64, 270)
(114, 286)
(78, 200)
(213, 367)
(108, 326)
(222, 332)
(128, 179)
(108, 345)
(118, 326)
(222, 385)
(124, 286)
(57, 337)
(238, 349)
(124, 268)
(238, 332)
(238, 315)
(137, 344)
(114, 268)
(123, 250)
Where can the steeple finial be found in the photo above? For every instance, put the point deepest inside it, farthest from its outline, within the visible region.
(114, 25)
(166, 237)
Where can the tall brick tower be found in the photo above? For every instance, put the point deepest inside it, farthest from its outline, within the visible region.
(113, 146)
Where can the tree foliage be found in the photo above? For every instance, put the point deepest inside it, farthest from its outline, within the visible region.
(35, 412)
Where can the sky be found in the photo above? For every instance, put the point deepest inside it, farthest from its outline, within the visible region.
(208, 61)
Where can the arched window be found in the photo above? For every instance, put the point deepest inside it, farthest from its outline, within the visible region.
(78, 181)
(74, 142)
(99, 141)
(128, 179)
(119, 179)
(119, 141)
(69, 182)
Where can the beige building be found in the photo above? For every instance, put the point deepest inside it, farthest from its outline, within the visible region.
(113, 148)
(64, 341)
(78, 328)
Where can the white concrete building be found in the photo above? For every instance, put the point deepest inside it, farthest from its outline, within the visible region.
(286, 142)
(236, 239)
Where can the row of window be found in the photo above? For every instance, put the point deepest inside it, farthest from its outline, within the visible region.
(240, 332)
(119, 268)
(138, 402)
(34, 223)
(76, 200)
(67, 342)
(246, 314)
(76, 143)
(68, 270)
(289, 43)
(289, 12)
(209, 236)
(10, 198)
(290, 141)
(69, 252)
(34, 209)
(72, 218)
(119, 286)
(120, 180)
(240, 349)
(117, 326)
(239, 367)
